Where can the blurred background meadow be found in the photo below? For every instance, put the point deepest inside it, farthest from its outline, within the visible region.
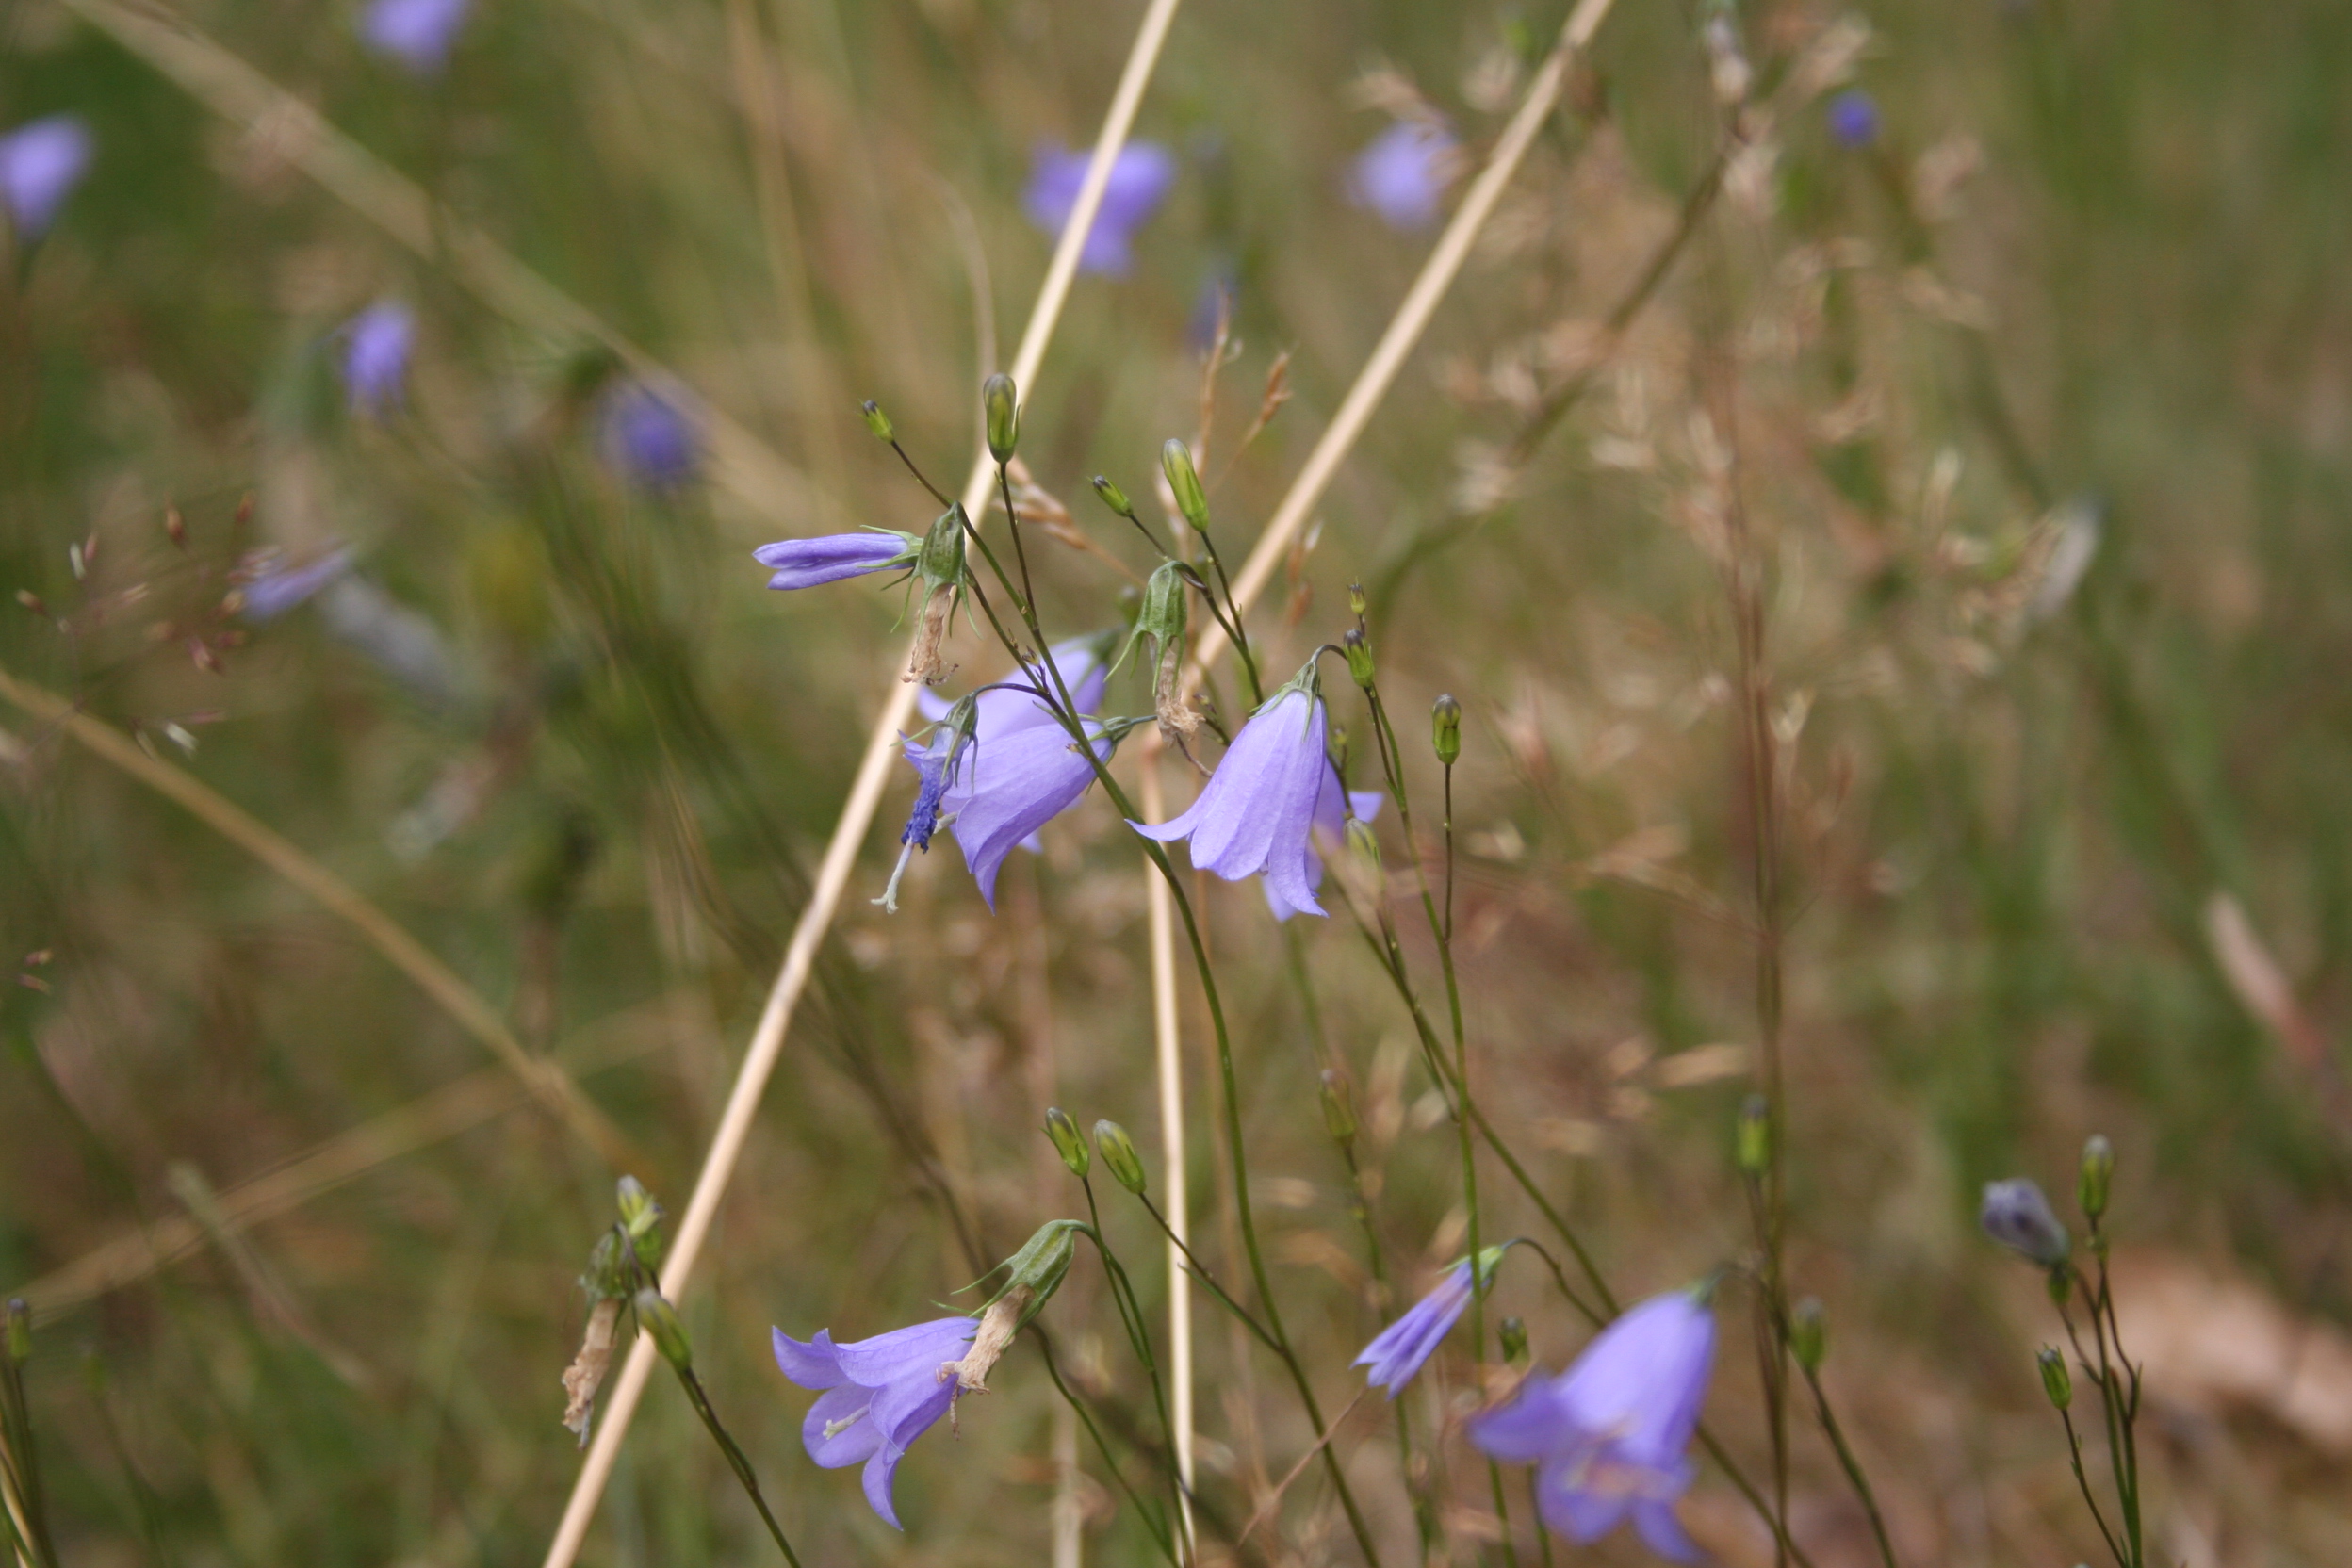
(389, 406)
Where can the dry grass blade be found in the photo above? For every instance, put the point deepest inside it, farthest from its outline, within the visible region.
(548, 1082)
(246, 98)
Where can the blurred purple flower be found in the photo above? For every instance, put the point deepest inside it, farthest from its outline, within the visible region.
(375, 356)
(1608, 1435)
(648, 438)
(1397, 1353)
(1331, 826)
(41, 163)
(272, 587)
(1258, 810)
(2016, 1215)
(417, 33)
(806, 562)
(1140, 178)
(1854, 119)
(879, 1394)
(1401, 175)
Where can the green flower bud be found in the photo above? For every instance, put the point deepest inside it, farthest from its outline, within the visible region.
(1119, 1156)
(1036, 1272)
(1176, 463)
(1068, 1142)
(607, 1276)
(659, 1318)
(2099, 1172)
(2057, 1382)
(1339, 1112)
(1357, 603)
(1445, 730)
(942, 559)
(1359, 653)
(1164, 611)
(1513, 1333)
(877, 421)
(641, 1216)
(20, 1330)
(1753, 1147)
(1113, 496)
(998, 400)
(1808, 1334)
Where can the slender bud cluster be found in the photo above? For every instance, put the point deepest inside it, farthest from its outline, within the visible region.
(2098, 1177)
(2057, 1382)
(1183, 482)
(1001, 403)
(1359, 651)
(1113, 496)
(1119, 1156)
(877, 421)
(659, 1320)
(1067, 1141)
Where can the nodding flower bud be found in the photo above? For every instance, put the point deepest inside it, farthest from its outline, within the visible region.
(20, 1330)
(1357, 603)
(999, 402)
(641, 1216)
(1119, 1156)
(1445, 728)
(1068, 1142)
(877, 421)
(2099, 1172)
(1113, 496)
(1753, 1144)
(609, 1276)
(659, 1318)
(942, 559)
(1036, 1272)
(2016, 1215)
(1808, 1334)
(1339, 1111)
(2057, 1382)
(1359, 652)
(1513, 1333)
(1183, 481)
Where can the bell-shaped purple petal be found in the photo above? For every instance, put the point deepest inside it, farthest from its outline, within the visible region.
(1140, 180)
(1400, 177)
(1013, 703)
(649, 437)
(274, 587)
(919, 1347)
(417, 33)
(41, 163)
(1653, 1521)
(376, 345)
(880, 1395)
(1330, 828)
(815, 1365)
(1400, 1349)
(829, 557)
(839, 1430)
(1257, 812)
(1005, 787)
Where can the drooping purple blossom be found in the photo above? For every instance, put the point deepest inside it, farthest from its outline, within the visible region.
(417, 33)
(1014, 704)
(1609, 1436)
(649, 436)
(1401, 175)
(1140, 178)
(376, 345)
(2017, 1215)
(1400, 1349)
(1331, 826)
(879, 1394)
(1257, 812)
(806, 562)
(41, 163)
(272, 586)
(1854, 119)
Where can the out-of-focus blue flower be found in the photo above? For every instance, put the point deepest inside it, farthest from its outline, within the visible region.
(1402, 175)
(1854, 117)
(806, 562)
(1609, 1436)
(648, 438)
(376, 344)
(1331, 826)
(417, 33)
(1139, 182)
(879, 1394)
(2017, 1215)
(1257, 812)
(41, 163)
(272, 587)
(1397, 1353)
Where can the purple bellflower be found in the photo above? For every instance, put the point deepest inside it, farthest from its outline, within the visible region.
(1330, 827)
(1139, 182)
(1854, 119)
(41, 163)
(879, 1394)
(376, 344)
(1608, 1435)
(1015, 705)
(1257, 812)
(272, 587)
(417, 33)
(2016, 1215)
(1397, 1353)
(806, 562)
(649, 437)
(1402, 173)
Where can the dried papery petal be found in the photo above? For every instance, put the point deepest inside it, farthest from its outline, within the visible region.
(585, 1376)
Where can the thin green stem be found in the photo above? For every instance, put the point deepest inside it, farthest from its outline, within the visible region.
(1199, 1271)
(1110, 1461)
(2083, 1480)
(735, 1459)
(1847, 1461)
(1138, 1335)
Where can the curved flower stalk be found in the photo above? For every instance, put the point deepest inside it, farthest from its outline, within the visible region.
(1258, 813)
(1608, 1435)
